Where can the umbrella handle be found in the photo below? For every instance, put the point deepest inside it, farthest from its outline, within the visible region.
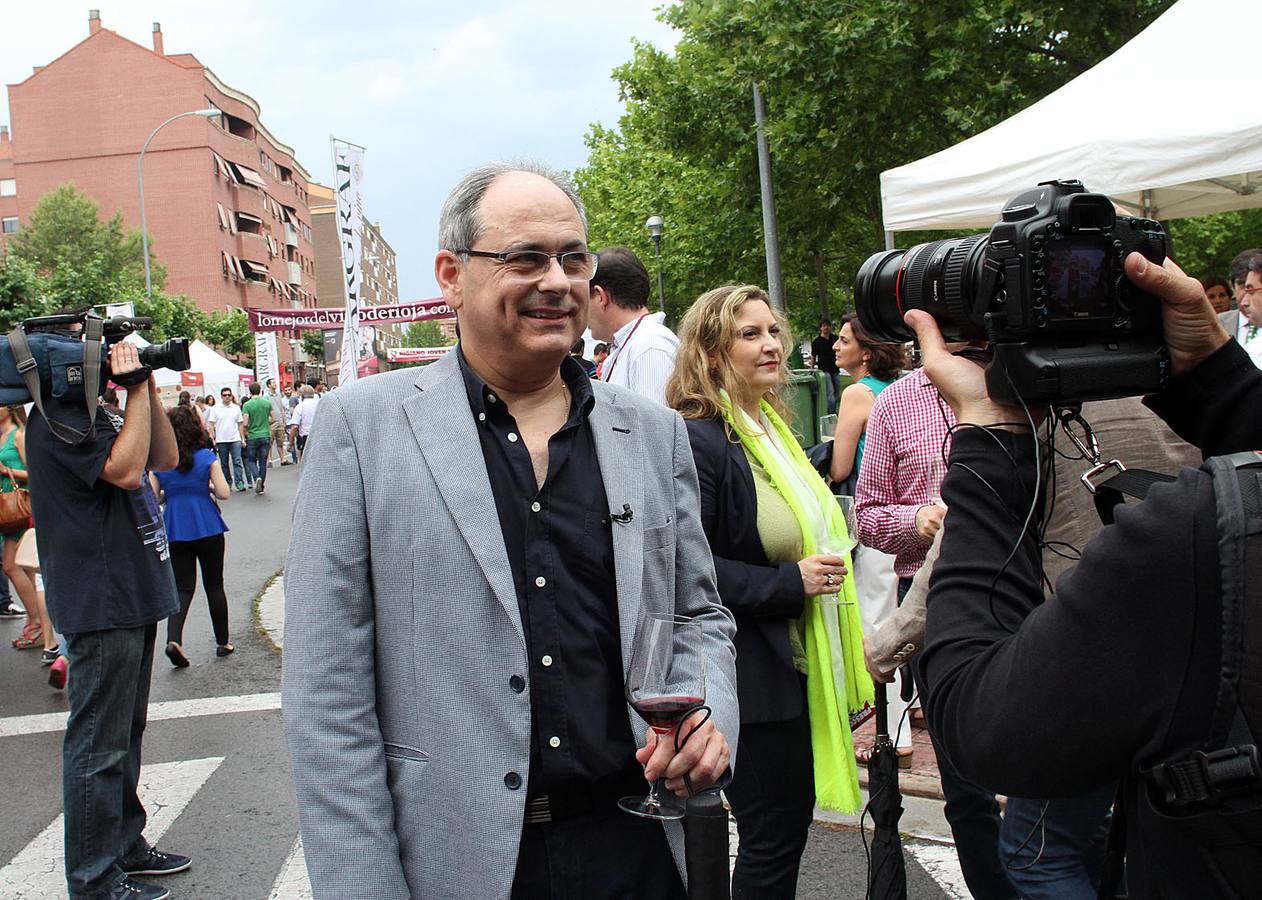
(882, 714)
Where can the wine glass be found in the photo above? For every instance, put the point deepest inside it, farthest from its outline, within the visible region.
(841, 546)
(827, 427)
(665, 681)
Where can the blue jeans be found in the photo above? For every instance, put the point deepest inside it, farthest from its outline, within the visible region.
(109, 699)
(1060, 856)
(256, 451)
(230, 451)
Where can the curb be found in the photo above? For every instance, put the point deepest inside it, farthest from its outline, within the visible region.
(263, 616)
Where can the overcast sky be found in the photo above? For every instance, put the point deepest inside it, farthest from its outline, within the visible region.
(431, 89)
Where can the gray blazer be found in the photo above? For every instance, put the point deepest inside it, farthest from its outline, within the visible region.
(402, 630)
(1231, 321)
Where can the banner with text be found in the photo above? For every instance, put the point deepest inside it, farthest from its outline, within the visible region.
(415, 354)
(266, 361)
(326, 317)
(348, 173)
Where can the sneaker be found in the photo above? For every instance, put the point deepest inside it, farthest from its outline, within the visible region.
(240, 487)
(258, 487)
(57, 674)
(9, 611)
(127, 889)
(155, 862)
(48, 657)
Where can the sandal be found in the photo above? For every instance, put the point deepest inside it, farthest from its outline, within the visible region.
(863, 755)
(32, 637)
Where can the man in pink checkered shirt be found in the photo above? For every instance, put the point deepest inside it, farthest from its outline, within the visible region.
(907, 431)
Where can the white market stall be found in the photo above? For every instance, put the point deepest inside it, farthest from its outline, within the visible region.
(217, 372)
(1168, 126)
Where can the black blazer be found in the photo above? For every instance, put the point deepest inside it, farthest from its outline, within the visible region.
(762, 596)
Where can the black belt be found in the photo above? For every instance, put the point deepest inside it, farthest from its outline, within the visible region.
(556, 806)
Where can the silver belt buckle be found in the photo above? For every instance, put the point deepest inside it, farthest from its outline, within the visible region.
(538, 810)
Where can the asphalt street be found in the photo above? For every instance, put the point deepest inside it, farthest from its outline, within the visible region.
(216, 776)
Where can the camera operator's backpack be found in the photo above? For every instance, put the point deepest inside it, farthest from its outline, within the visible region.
(1210, 800)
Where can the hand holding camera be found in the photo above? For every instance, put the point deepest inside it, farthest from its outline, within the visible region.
(126, 370)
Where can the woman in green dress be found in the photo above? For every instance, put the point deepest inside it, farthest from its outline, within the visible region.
(38, 631)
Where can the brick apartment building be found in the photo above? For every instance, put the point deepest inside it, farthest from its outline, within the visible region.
(379, 276)
(225, 201)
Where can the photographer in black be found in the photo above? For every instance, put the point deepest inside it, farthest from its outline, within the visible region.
(105, 561)
(1119, 672)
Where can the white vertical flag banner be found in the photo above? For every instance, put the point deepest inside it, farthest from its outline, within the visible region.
(348, 182)
(266, 362)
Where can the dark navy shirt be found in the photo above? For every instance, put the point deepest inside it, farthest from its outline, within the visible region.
(560, 548)
(102, 549)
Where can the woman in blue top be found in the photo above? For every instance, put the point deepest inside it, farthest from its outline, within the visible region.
(195, 529)
(874, 367)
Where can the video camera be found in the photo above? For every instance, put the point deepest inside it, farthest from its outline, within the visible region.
(65, 358)
(1045, 287)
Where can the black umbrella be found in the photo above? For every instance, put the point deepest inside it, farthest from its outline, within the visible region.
(887, 877)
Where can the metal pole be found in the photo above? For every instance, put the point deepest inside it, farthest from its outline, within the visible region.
(775, 284)
(140, 180)
(661, 282)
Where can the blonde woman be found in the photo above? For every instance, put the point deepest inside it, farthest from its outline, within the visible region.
(768, 517)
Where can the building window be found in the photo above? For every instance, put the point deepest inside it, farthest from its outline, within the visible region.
(8, 187)
(10, 224)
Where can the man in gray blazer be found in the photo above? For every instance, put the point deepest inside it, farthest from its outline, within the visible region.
(473, 545)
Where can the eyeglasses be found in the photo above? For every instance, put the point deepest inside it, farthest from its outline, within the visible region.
(578, 265)
(1250, 290)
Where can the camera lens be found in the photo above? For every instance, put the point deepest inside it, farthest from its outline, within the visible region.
(172, 354)
(938, 277)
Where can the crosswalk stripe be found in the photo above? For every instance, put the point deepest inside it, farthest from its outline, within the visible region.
(942, 864)
(293, 883)
(169, 709)
(37, 872)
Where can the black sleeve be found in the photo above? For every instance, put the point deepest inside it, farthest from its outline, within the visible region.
(1218, 405)
(1063, 695)
(747, 589)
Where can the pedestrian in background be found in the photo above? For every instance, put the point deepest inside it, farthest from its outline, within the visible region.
(280, 421)
(228, 432)
(196, 531)
(39, 630)
(258, 415)
(304, 416)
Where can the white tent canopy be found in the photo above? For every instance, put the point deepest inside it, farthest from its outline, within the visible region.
(1169, 126)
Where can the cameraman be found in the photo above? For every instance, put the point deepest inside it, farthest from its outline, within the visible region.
(1119, 671)
(105, 562)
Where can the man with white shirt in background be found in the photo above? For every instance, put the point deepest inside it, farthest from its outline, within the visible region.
(227, 429)
(304, 415)
(641, 347)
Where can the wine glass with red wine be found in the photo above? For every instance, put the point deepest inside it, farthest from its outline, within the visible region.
(665, 681)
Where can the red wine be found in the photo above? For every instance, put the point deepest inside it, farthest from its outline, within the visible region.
(664, 713)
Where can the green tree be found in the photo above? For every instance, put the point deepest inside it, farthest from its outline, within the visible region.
(228, 331)
(173, 316)
(425, 334)
(1205, 245)
(65, 232)
(851, 90)
(313, 344)
(21, 294)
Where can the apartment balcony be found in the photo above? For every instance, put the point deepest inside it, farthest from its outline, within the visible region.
(295, 274)
(291, 235)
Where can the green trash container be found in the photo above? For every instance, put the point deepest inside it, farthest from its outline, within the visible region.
(806, 396)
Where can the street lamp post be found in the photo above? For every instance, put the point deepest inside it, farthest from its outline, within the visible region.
(654, 225)
(140, 180)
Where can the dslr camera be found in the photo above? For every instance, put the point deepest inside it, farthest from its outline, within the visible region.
(1045, 288)
(63, 358)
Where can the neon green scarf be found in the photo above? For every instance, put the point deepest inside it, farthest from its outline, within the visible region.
(836, 681)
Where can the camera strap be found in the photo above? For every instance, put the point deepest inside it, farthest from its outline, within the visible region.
(28, 368)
